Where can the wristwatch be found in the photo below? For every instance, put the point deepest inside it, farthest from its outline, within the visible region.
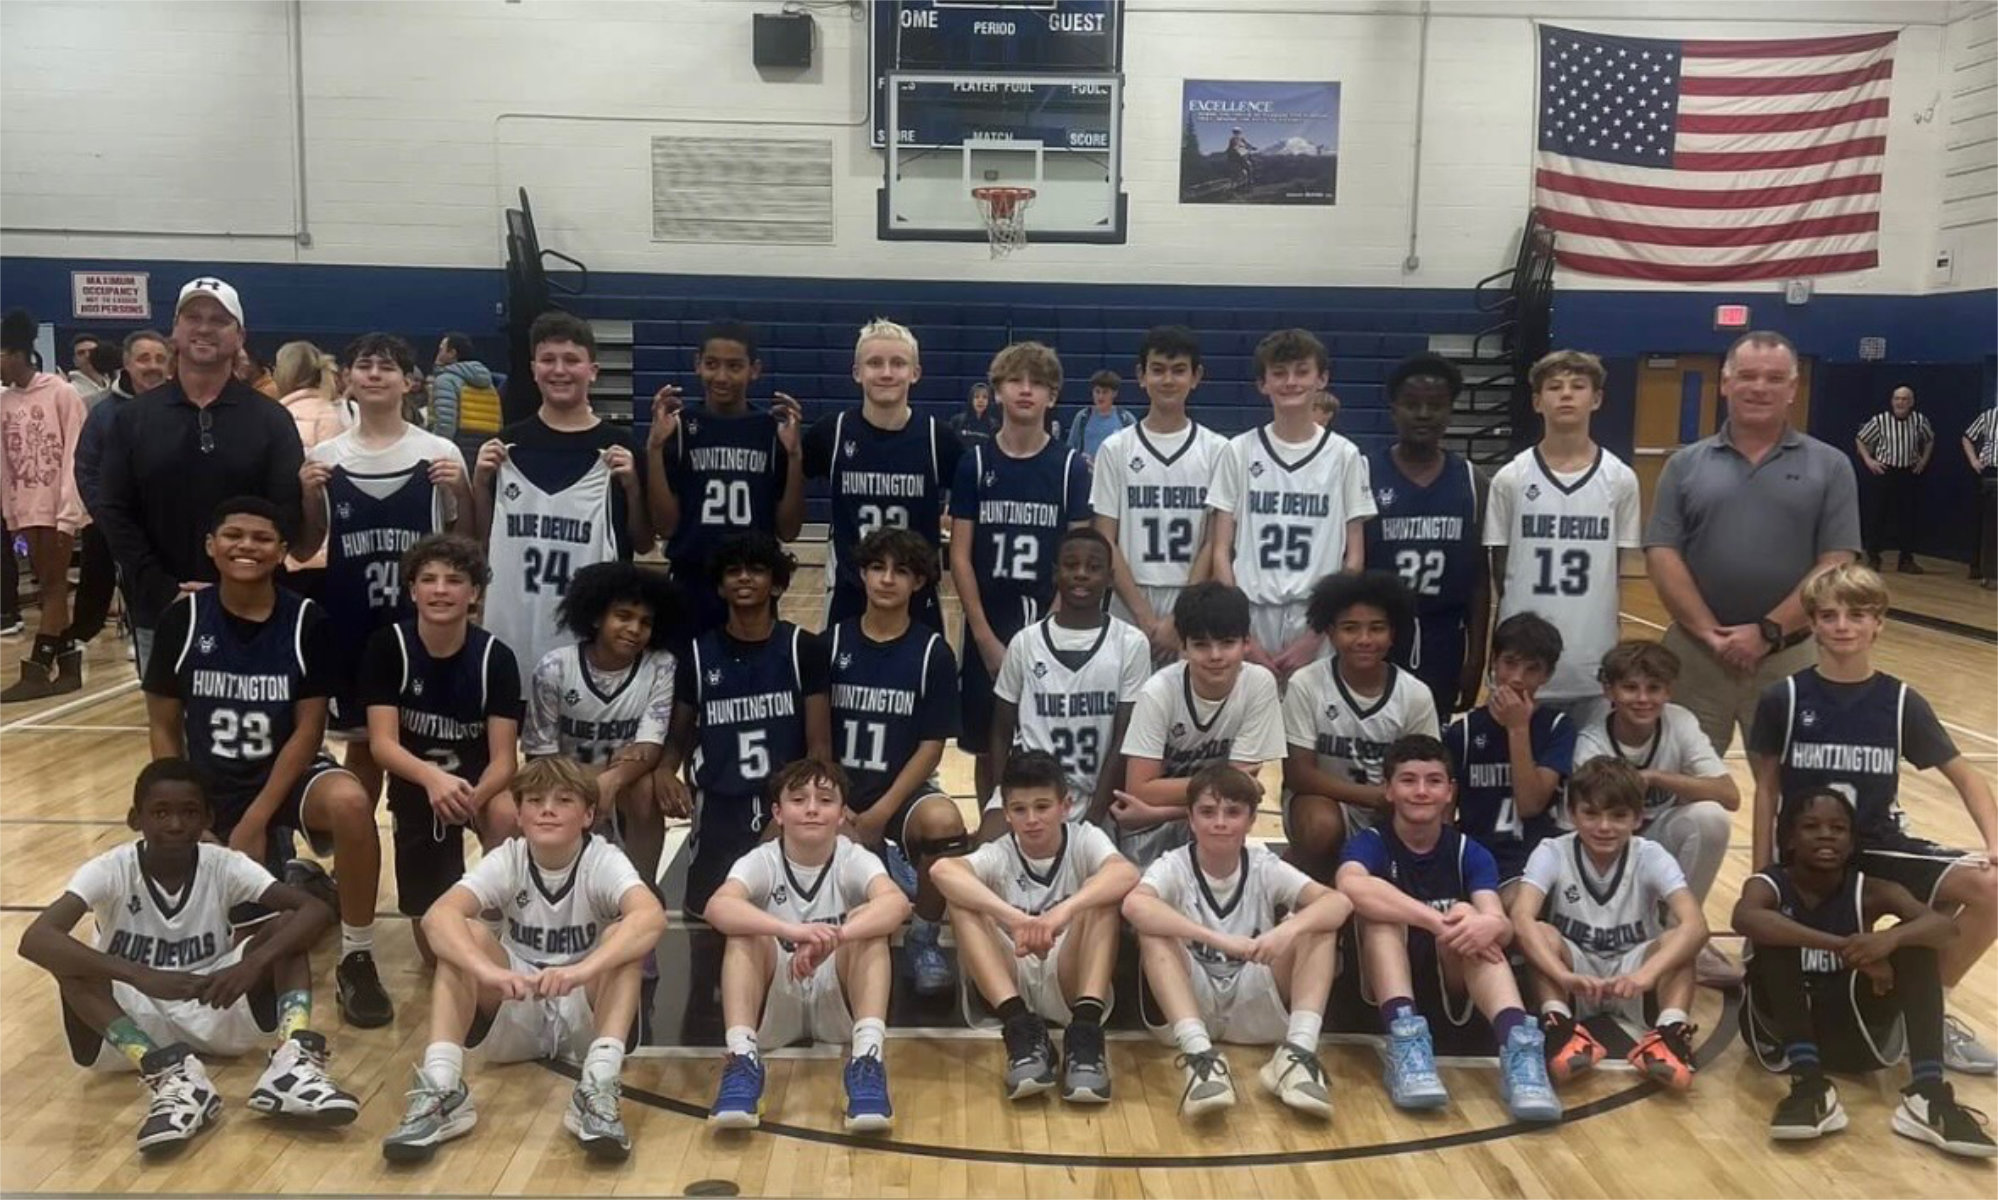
(1771, 633)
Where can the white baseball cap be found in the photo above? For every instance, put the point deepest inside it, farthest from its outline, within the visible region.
(208, 285)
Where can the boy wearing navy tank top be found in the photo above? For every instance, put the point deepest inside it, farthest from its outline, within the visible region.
(1513, 753)
(1430, 531)
(1846, 726)
(1008, 507)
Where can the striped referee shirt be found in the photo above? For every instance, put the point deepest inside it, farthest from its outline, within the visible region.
(1983, 434)
(1897, 441)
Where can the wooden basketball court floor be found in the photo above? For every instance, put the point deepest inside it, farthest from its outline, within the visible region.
(65, 772)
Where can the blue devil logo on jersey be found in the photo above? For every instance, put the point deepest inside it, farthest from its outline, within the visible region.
(1807, 718)
(1533, 491)
(344, 510)
(845, 661)
(520, 898)
(1332, 711)
(1040, 669)
(780, 894)
(991, 477)
(1179, 729)
(1479, 741)
(1572, 894)
(572, 696)
(1384, 497)
(1256, 468)
(852, 447)
(416, 687)
(206, 643)
(714, 676)
(1137, 464)
(132, 905)
(513, 491)
(693, 427)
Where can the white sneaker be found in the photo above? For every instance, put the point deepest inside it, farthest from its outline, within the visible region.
(1208, 1083)
(1963, 1052)
(295, 1084)
(1295, 1076)
(184, 1101)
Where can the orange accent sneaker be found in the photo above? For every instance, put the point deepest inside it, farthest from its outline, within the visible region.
(1571, 1049)
(1666, 1055)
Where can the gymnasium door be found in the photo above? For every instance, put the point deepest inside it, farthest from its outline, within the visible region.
(1678, 402)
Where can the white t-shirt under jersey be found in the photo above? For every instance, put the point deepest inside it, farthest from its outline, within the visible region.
(1154, 485)
(1291, 503)
(1563, 535)
(807, 895)
(589, 715)
(1349, 732)
(552, 918)
(1244, 904)
(140, 922)
(1035, 885)
(1605, 913)
(1186, 732)
(414, 446)
(1677, 747)
(1071, 713)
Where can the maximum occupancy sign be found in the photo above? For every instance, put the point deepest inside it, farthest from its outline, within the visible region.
(1027, 36)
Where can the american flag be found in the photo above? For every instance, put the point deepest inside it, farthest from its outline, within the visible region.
(1710, 162)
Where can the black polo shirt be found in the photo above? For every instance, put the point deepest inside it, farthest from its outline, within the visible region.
(158, 490)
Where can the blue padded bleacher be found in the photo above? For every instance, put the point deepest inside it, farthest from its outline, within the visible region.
(807, 350)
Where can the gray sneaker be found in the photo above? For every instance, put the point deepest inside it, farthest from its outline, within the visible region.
(1029, 1057)
(1085, 1072)
(593, 1118)
(434, 1116)
(1963, 1052)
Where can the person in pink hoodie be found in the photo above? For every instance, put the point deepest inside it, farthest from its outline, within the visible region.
(41, 416)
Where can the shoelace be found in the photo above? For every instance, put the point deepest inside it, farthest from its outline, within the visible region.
(1303, 1059)
(1679, 1039)
(1956, 1030)
(171, 1088)
(600, 1100)
(1085, 1044)
(423, 1101)
(1407, 1055)
(1204, 1068)
(739, 1070)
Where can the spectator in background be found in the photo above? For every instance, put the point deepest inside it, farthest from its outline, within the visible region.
(457, 371)
(1980, 448)
(144, 356)
(307, 378)
(106, 358)
(10, 584)
(976, 425)
(177, 451)
(41, 419)
(1102, 418)
(1733, 538)
(1324, 408)
(251, 370)
(89, 380)
(1895, 446)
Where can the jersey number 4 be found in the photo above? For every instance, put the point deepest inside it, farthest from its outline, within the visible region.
(1572, 578)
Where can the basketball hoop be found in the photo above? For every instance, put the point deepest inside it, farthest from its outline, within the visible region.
(1005, 210)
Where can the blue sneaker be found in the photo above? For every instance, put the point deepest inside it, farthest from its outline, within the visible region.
(900, 869)
(1410, 1069)
(1523, 1076)
(867, 1107)
(739, 1103)
(934, 976)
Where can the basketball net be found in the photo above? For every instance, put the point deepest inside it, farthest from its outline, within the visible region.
(1005, 211)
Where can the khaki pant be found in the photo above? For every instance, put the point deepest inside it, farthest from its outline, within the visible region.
(1721, 697)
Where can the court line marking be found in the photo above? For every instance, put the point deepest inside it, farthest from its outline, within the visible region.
(1949, 725)
(1724, 1032)
(79, 729)
(69, 706)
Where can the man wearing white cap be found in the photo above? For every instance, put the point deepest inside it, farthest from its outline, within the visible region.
(175, 453)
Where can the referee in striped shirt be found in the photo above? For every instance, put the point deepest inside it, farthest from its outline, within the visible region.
(1895, 446)
(1980, 447)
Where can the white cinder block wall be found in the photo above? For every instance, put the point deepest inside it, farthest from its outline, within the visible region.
(173, 120)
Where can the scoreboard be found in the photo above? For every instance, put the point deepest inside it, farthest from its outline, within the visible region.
(1067, 37)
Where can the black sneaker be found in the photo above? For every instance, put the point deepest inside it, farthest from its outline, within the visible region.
(363, 1002)
(311, 878)
(1085, 1072)
(1029, 1057)
(1929, 1113)
(1811, 1110)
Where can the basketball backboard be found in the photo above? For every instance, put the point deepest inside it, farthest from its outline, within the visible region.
(1057, 134)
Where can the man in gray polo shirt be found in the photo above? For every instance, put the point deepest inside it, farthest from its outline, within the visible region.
(1739, 522)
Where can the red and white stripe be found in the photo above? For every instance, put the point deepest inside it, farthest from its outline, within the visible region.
(1778, 160)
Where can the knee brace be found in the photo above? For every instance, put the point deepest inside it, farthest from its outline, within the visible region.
(955, 846)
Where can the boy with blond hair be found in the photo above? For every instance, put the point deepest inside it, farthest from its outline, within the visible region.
(1009, 504)
(1560, 517)
(1289, 501)
(883, 466)
(1845, 726)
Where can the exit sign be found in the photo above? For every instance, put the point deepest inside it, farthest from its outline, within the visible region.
(1730, 316)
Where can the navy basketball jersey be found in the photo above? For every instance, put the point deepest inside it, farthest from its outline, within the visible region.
(887, 699)
(1486, 808)
(1849, 740)
(1840, 914)
(881, 478)
(1020, 507)
(749, 705)
(1433, 537)
(239, 695)
(370, 521)
(1436, 878)
(441, 707)
(727, 472)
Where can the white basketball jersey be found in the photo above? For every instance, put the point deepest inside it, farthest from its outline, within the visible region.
(1562, 542)
(140, 922)
(595, 722)
(1351, 734)
(553, 920)
(1186, 733)
(1247, 908)
(1071, 714)
(1606, 915)
(539, 541)
(807, 895)
(1155, 487)
(1036, 885)
(1291, 508)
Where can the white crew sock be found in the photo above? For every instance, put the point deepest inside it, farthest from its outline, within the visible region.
(741, 1039)
(1191, 1037)
(356, 937)
(603, 1061)
(868, 1035)
(1304, 1030)
(444, 1064)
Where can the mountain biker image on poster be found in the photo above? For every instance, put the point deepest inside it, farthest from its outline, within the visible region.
(1259, 143)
